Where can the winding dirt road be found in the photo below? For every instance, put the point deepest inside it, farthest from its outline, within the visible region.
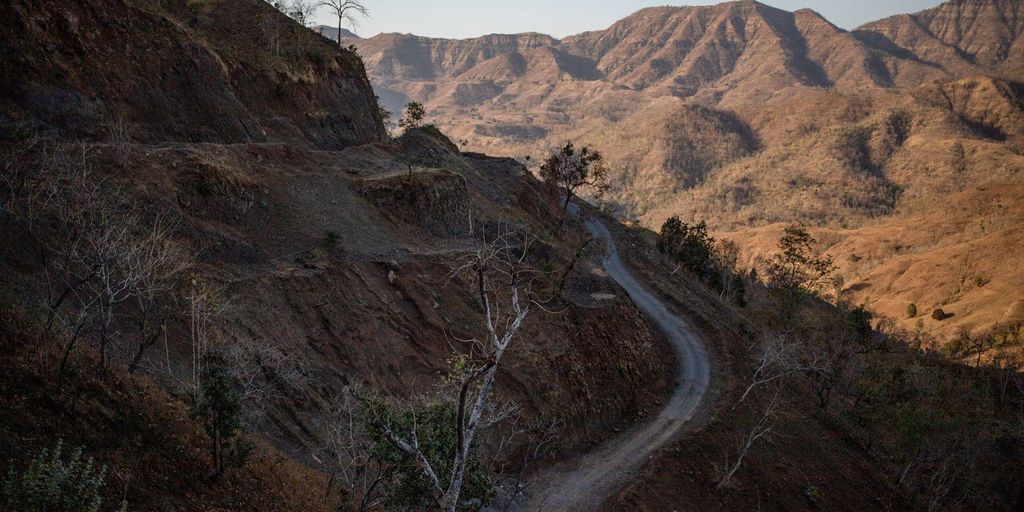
(593, 477)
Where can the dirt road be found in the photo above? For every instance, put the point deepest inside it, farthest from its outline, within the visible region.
(585, 483)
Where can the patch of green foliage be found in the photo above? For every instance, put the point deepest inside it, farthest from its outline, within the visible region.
(698, 253)
(413, 116)
(52, 484)
(798, 267)
(690, 245)
(220, 409)
(433, 425)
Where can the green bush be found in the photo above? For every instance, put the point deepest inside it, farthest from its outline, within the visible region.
(413, 117)
(330, 241)
(51, 484)
(220, 409)
(911, 310)
(689, 245)
(432, 422)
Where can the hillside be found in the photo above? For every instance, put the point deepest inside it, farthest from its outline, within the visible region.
(228, 286)
(740, 114)
(325, 249)
(968, 36)
(69, 69)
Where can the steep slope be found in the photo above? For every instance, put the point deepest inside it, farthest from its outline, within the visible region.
(333, 245)
(686, 50)
(964, 36)
(69, 69)
(409, 57)
(326, 256)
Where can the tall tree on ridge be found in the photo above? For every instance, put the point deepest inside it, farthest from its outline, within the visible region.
(346, 10)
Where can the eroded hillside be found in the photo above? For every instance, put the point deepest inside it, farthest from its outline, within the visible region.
(318, 254)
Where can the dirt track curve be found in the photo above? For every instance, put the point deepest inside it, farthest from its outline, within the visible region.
(593, 477)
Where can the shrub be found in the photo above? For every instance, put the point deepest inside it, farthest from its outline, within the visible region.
(413, 116)
(911, 310)
(690, 245)
(798, 267)
(858, 319)
(220, 409)
(940, 315)
(436, 436)
(52, 484)
(330, 240)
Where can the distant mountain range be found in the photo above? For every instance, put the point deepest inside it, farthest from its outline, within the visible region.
(745, 115)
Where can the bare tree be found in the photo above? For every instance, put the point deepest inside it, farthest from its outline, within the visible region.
(778, 359)
(51, 191)
(120, 138)
(761, 427)
(504, 258)
(302, 11)
(262, 371)
(206, 304)
(63, 189)
(572, 169)
(346, 10)
(158, 261)
(347, 450)
(131, 258)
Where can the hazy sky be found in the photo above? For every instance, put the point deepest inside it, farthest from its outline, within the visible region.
(559, 18)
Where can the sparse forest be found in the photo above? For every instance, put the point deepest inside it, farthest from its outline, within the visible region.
(946, 419)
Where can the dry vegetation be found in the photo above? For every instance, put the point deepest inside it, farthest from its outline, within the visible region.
(816, 394)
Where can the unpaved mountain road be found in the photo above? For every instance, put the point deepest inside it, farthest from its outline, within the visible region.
(590, 479)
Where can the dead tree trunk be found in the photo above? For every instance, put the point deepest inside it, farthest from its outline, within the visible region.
(507, 259)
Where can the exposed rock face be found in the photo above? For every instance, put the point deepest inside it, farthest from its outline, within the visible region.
(179, 73)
